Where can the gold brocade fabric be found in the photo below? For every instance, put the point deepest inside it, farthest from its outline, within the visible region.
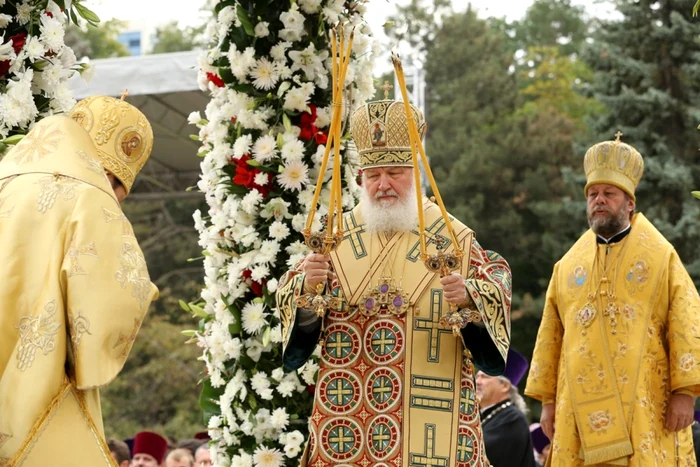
(399, 390)
(612, 375)
(74, 292)
(121, 134)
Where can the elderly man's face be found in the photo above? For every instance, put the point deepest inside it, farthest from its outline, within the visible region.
(387, 185)
(608, 209)
(490, 389)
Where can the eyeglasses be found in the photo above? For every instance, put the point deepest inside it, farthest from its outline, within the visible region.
(206, 463)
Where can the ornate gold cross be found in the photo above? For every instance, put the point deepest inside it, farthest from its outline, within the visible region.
(386, 87)
(124, 93)
(618, 135)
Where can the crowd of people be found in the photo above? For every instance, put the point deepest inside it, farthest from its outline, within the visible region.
(149, 449)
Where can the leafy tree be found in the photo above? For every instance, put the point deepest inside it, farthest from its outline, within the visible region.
(646, 75)
(557, 84)
(171, 38)
(97, 41)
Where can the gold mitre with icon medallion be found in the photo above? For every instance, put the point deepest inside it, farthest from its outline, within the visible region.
(121, 133)
(380, 132)
(615, 163)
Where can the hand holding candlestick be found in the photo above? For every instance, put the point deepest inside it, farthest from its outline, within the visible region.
(322, 243)
(441, 262)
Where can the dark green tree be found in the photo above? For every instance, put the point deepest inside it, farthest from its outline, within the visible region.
(646, 75)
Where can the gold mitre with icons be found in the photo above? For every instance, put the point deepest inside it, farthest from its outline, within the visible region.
(615, 163)
(380, 132)
(121, 133)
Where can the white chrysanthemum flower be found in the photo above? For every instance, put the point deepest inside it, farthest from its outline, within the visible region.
(299, 222)
(293, 260)
(253, 317)
(297, 247)
(262, 179)
(268, 250)
(24, 12)
(293, 150)
(286, 388)
(265, 148)
(241, 62)
(250, 201)
(308, 374)
(266, 457)
(279, 418)
(264, 74)
(242, 460)
(52, 33)
(242, 146)
(262, 29)
(34, 49)
(279, 230)
(294, 175)
(272, 285)
(323, 117)
(296, 99)
(4, 20)
(259, 272)
(277, 52)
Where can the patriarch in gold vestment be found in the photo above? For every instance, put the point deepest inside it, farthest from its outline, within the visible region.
(396, 386)
(617, 359)
(74, 285)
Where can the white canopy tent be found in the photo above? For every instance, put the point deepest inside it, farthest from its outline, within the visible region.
(164, 87)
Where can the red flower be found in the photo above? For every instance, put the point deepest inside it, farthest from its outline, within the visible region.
(257, 288)
(308, 129)
(49, 14)
(4, 67)
(245, 176)
(307, 132)
(321, 138)
(18, 41)
(311, 388)
(215, 79)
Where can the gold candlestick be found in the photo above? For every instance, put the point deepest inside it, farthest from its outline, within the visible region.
(441, 263)
(325, 242)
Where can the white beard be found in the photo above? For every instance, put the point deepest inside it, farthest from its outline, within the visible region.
(384, 216)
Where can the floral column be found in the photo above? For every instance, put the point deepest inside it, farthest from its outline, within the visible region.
(263, 136)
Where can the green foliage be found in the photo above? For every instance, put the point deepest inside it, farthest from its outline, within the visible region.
(556, 83)
(171, 38)
(157, 390)
(646, 74)
(99, 41)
